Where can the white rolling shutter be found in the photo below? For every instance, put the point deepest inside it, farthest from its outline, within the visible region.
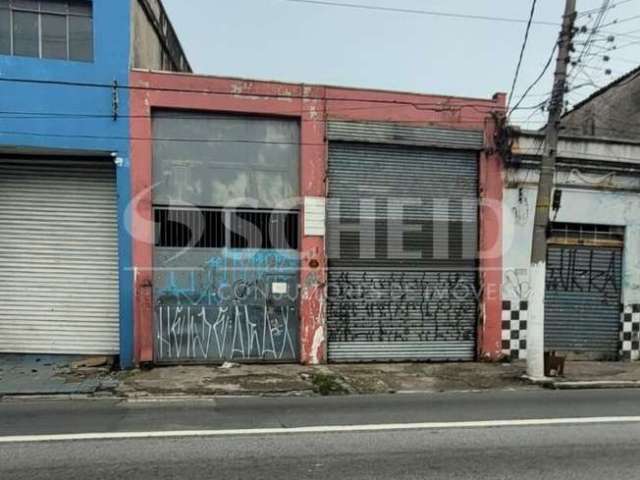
(58, 257)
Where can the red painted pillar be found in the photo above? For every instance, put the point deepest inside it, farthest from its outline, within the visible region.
(142, 227)
(491, 193)
(313, 174)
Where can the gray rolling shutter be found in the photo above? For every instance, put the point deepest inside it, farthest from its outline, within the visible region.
(582, 302)
(401, 134)
(58, 257)
(381, 306)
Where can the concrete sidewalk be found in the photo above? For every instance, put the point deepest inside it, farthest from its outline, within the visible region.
(344, 379)
(582, 375)
(55, 375)
(322, 380)
(298, 380)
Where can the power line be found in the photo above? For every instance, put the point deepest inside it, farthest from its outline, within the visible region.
(628, 61)
(612, 36)
(585, 13)
(609, 51)
(285, 96)
(433, 13)
(536, 81)
(202, 114)
(160, 139)
(601, 52)
(608, 57)
(618, 22)
(590, 38)
(215, 141)
(522, 50)
(599, 19)
(626, 33)
(615, 47)
(8, 115)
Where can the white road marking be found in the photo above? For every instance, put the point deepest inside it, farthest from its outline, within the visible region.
(325, 429)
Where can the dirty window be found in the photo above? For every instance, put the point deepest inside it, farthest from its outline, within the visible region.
(55, 29)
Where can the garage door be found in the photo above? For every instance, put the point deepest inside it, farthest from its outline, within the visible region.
(58, 257)
(582, 302)
(226, 261)
(401, 297)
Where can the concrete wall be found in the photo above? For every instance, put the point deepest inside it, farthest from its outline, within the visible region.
(311, 106)
(615, 113)
(63, 105)
(605, 191)
(155, 44)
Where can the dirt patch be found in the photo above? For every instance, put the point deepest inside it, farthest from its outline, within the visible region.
(326, 384)
(207, 381)
(424, 377)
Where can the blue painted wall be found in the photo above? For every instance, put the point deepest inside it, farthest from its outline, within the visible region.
(60, 115)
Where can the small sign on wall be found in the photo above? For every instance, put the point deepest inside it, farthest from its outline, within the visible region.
(279, 288)
(314, 216)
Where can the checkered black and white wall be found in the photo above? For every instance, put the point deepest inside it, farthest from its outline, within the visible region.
(630, 332)
(514, 330)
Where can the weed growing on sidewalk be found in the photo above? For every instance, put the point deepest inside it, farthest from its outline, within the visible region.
(327, 384)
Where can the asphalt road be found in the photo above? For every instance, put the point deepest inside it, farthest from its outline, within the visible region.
(581, 451)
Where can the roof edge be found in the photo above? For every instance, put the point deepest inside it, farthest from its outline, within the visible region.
(577, 138)
(493, 100)
(601, 91)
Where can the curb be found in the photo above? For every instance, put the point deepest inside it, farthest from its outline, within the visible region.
(37, 397)
(207, 397)
(593, 385)
(53, 396)
(553, 384)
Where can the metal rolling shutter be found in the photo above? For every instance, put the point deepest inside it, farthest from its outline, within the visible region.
(58, 257)
(582, 300)
(385, 308)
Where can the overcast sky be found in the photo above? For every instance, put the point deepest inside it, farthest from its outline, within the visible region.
(283, 40)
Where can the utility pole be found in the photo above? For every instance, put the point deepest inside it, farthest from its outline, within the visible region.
(537, 273)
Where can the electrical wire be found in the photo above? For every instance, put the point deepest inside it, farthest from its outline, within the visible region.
(536, 81)
(619, 22)
(253, 94)
(522, 50)
(592, 51)
(384, 104)
(606, 5)
(8, 114)
(630, 33)
(434, 13)
(604, 36)
(183, 140)
(585, 13)
(599, 19)
(602, 11)
(70, 115)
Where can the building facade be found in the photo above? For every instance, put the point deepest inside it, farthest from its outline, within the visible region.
(611, 112)
(285, 222)
(593, 274)
(65, 177)
(169, 218)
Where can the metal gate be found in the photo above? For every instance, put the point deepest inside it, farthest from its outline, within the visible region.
(226, 264)
(58, 256)
(582, 303)
(395, 295)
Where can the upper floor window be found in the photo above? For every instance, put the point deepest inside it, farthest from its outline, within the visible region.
(59, 29)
